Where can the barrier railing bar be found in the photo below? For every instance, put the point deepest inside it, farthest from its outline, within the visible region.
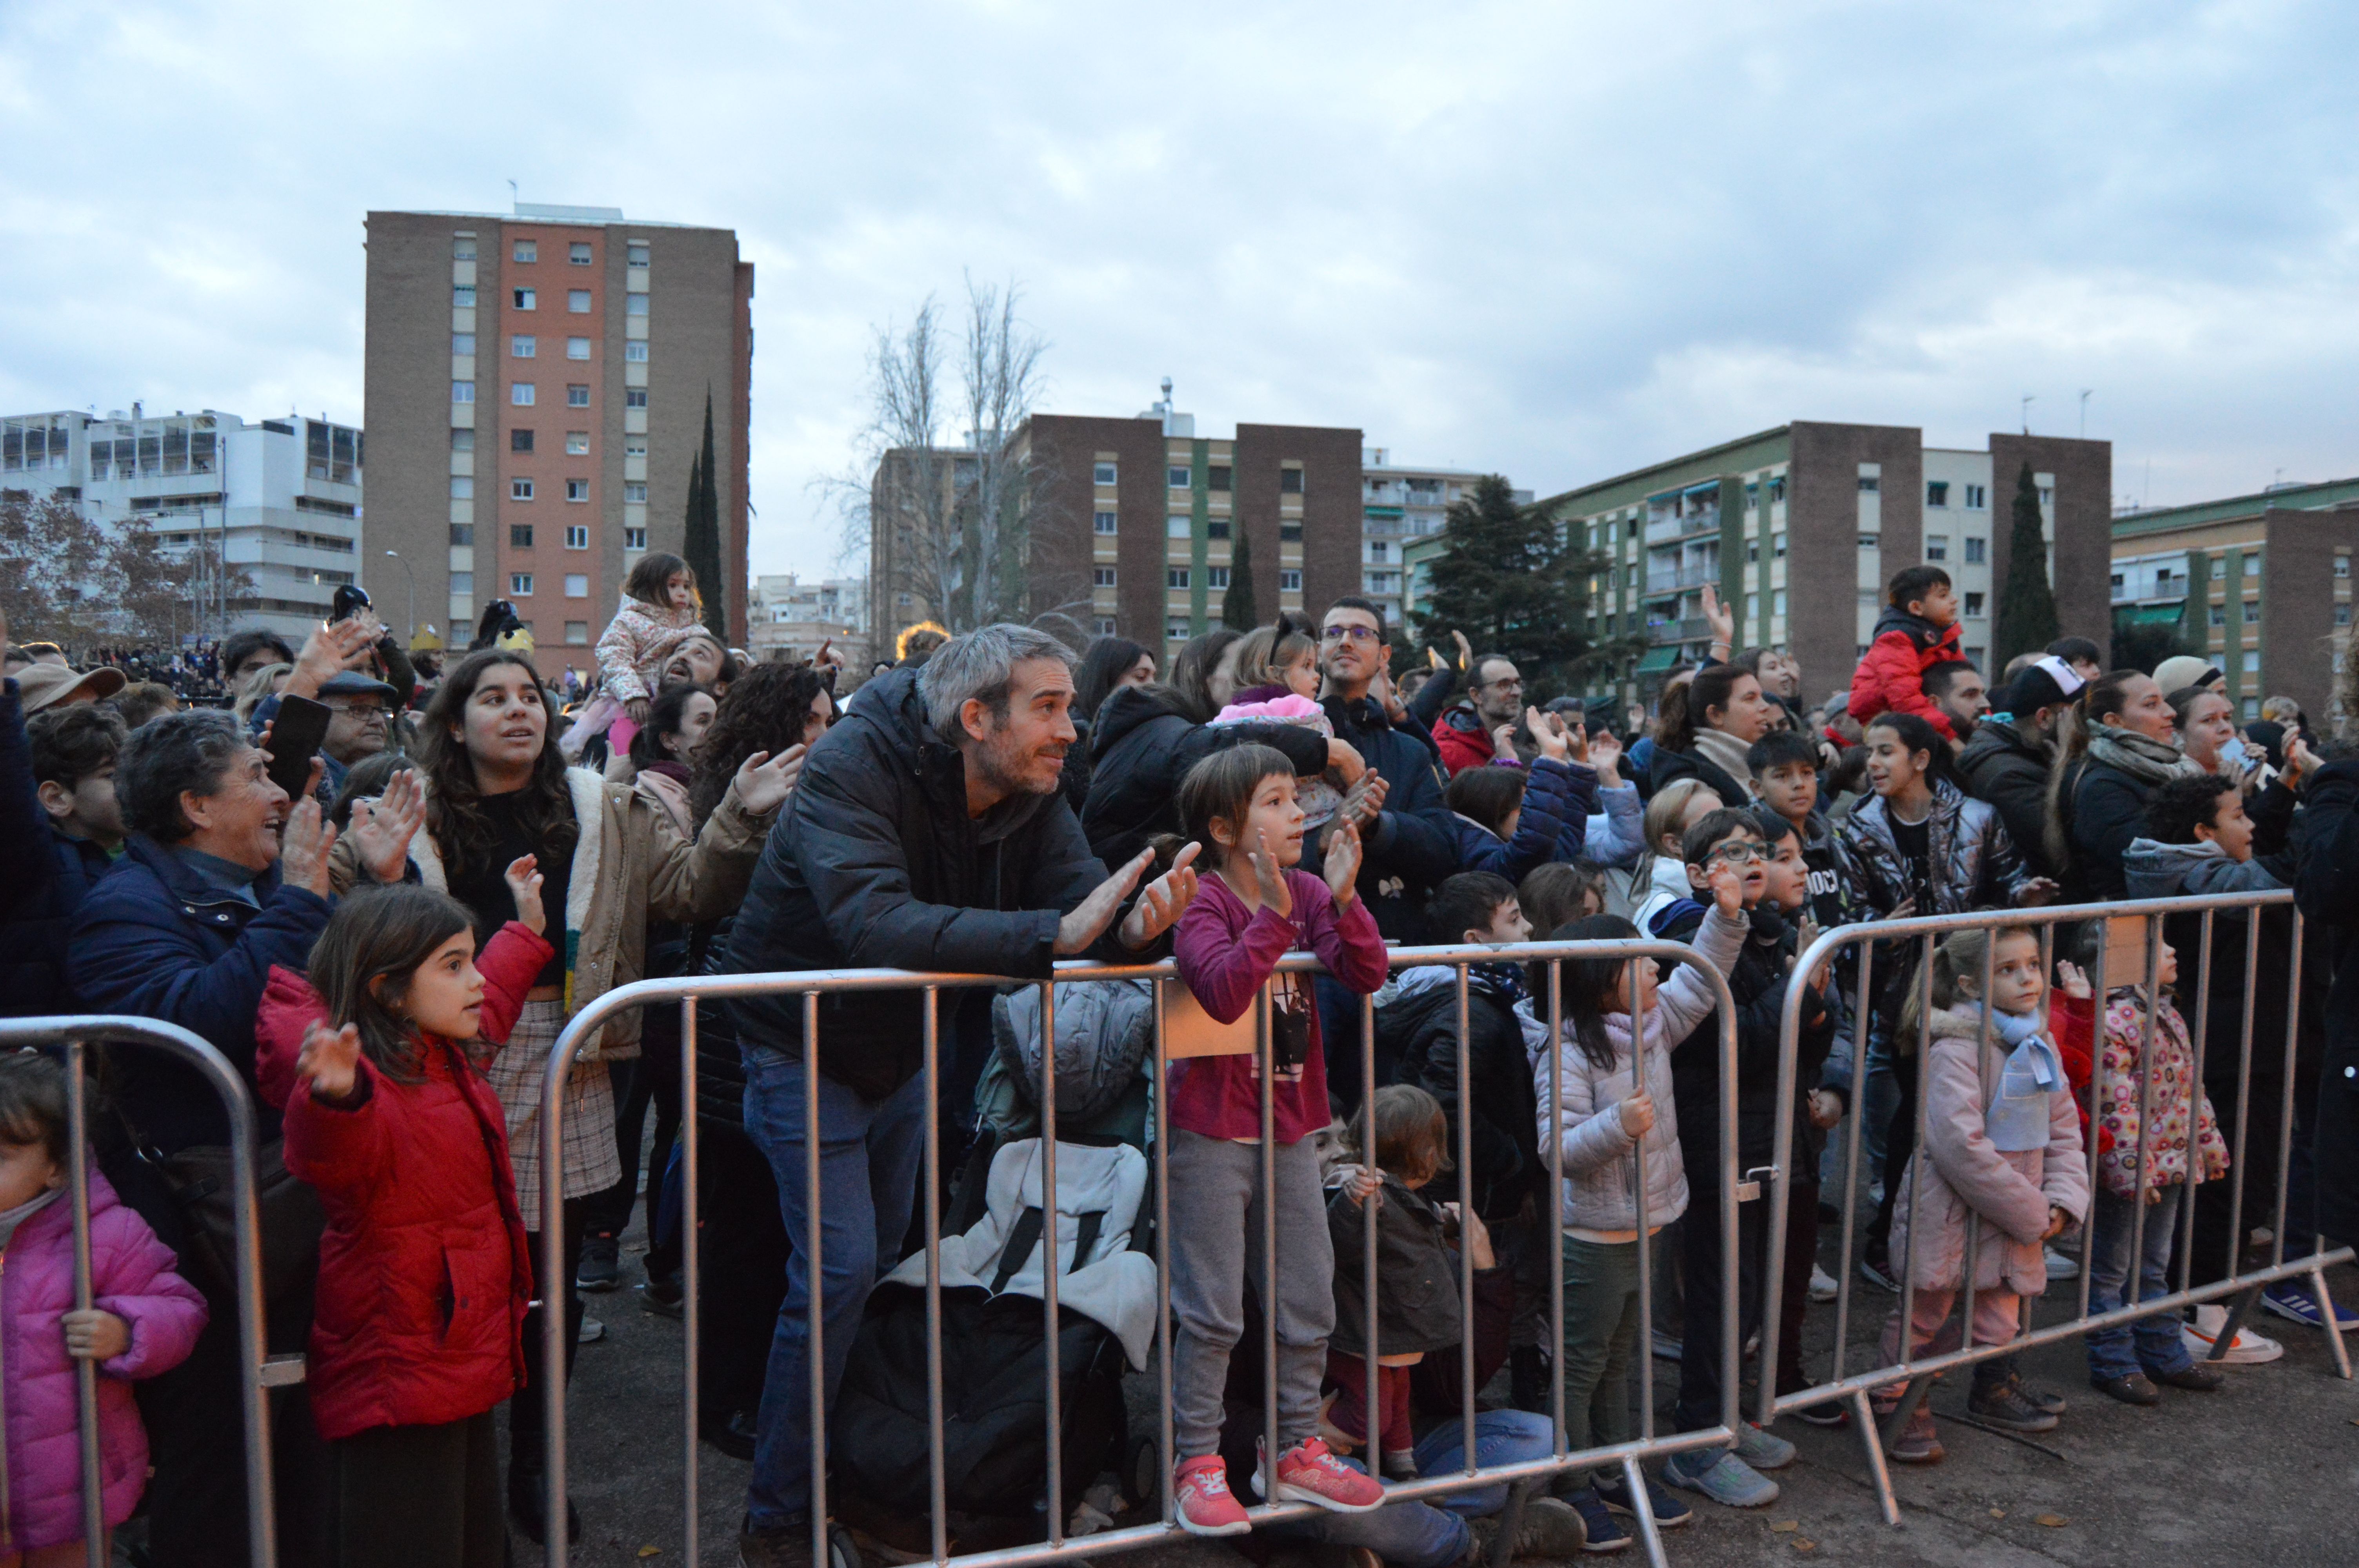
(2239, 1236)
(1053, 1385)
(814, 1231)
(1168, 1460)
(1467, 1221)
(1632, 980)
(1268, 1155)
(937, 1481)
(1987, 1005)
(1373, 1427)
(1556, 1213)
(691, 1274)
(2182, 1245)
(93, 1501)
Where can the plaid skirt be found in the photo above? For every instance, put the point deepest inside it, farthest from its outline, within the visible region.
(518, 1072)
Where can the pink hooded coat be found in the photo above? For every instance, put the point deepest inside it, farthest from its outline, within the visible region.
(131, 1276)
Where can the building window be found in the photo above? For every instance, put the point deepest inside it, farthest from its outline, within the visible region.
(527, 250)
(519, 440)
(635, 492)
(461, 488)
(1974, 604)
(635, 351)
(1937, 492)
(1216, 577)
(2252, 566)
(1106, 625)
(521, 585)
(1175, 579)
(1977, 550)
(1869, 485)
(462, 583)
(577, 633)
(1290, 533)
(463, 343)
(1289, 579)
(1752, 551)
(1101, 577)
(635, 252)
(577, 585)
(1218, 477)
(2342, 613)
(520, 489)
(463, 248)
(577, 347)
(1178, 526)
(577, 301)
(463, 440)
(636, 305)
(523, 346)
(462, 298)
(462, 391)
(1778, 603)
(1377, 550)
(1776, 493)
(1104, 473)
(1176, 631)
(520, 393)
(1777, 545)
(577, 395)
(1869, 542)
(1105, 522)
(1289, 482)
(1978, 498)
(2252, 661)
(1216, 528)
(577, 490)
(1181, 478)
(577, 443)
(635, 538)
(1937, 547)
(635, 397)
(463, 535)
(578, 253)
(519, 535)
(527, 299)
(2342, 565)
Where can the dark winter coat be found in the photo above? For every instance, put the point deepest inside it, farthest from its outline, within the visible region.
(155, 939)
(1413, 843)
(1664, 767)
(2107, 812)
(2010, 771)
(33, 938)
(1417, 1307)
(1758, 980)
(1504, 1115)
(2328, 893)
(1891, 678)
(1142, 744)
(1559, 798)
(876, 864)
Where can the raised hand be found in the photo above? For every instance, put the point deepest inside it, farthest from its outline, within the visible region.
(2072, 981)
(1548, 733)
(383, 828)
(1465, 652)
(1605, 756)
(1727, 884)
(1723, 617)
(1078, 931)
(329, 651)
(1270, 876)
(1342, 863)
(1502, 740)
(303, 846)
(2300, 761)
(1163, 901)
(764, 782)
(524, 879)
(2035, 893)
(330, 1061)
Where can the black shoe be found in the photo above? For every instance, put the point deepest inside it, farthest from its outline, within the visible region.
(1528, 1377)
(1833, 1413)
(2047, 1399)
(602, 1264)
(2132, 1388)
(2195, 1378)
(662, 1295)
(735, 1435)
(526, 1488)
(1998, 1402)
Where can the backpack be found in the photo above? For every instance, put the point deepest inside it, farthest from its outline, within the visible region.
(1104, 1030)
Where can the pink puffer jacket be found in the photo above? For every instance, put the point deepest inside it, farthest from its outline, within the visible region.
(131, 1276)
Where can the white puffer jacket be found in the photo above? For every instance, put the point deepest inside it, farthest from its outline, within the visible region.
(1599, 1191)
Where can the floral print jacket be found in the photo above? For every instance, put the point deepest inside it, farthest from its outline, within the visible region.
(2177, 1100)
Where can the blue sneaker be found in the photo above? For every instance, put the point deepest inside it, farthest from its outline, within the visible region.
(1605, 1532)
(2291, 1299)
(1763, 1450)
(1721, 1475)
(1669, 1511)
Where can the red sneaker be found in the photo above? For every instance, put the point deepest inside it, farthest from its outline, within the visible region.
(1307, 1473)
(1200, 1493)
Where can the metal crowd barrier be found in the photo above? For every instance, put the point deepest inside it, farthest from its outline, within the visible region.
(1522, 1479)
(76, 1036)
(1915, 1372)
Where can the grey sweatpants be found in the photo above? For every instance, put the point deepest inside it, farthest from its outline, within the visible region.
(1216, 1220)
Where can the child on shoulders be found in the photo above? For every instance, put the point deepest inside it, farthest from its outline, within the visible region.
(1917, 630)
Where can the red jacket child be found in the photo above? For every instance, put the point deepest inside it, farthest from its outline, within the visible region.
(1891, 679)
(425, 1268)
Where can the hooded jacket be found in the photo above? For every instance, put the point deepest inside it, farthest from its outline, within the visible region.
(2001, 765)
(131, 1276)
(1891, 678)
(1460, 736)
(1554, 823)
(1418, 1308)
(1141, 745)
(425, 1269)
(876, 864)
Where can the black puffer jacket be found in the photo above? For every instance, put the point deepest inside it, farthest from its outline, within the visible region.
(2107, 812)
(1665, 767)
(1142, 744)
(1503, 1116)
(2010, 771)
(2327, 889)
(1413, 843)
(876, 864)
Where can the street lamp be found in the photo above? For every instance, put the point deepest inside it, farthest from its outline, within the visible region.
(395, 555)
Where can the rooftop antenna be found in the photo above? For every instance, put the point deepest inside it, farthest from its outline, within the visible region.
(512, 194)
(2084, 411)
(2029, 399)
(1167, 393)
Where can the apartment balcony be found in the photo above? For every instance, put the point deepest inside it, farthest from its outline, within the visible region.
(1684, 577)
(1697, 523)
(1664, 632)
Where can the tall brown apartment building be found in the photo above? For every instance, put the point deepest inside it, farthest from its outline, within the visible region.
(1130, 526)
(543, 380)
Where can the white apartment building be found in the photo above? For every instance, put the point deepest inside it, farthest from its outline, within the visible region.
(1398, 504)
(786, 616)
(279, 499)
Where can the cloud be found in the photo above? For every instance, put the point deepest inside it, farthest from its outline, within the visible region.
(1557, 241)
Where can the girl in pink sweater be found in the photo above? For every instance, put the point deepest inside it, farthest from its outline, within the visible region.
(144, 1319)
(1253, 910)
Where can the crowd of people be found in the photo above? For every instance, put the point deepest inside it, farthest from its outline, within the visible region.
(386, 952)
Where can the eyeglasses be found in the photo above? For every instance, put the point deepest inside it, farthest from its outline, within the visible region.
(1356, 633)
(1735, 855)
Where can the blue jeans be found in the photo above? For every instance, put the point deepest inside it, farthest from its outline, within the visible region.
(1433, 1535)
(869, 1158)
(2153, 1343)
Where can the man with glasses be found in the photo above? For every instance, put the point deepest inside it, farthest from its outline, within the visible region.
(1410, 838)
(1473, 731)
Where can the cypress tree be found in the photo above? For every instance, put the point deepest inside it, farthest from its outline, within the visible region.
(1238, 605)
(2027, 605)
(701, 539)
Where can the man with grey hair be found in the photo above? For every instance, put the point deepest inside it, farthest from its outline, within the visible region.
(926, 832)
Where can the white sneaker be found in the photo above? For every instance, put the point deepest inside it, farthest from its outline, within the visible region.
(593, 1331)
(2060, 1266)
(1823, 1285)
(2250, 1349)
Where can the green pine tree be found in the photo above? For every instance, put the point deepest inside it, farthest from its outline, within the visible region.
(1513, 579)
(2027, 605)
(1237, 608)
(701, 539)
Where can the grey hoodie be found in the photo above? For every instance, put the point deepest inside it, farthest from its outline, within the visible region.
(2151, 869)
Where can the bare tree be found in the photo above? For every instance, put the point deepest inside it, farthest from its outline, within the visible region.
(1001, 368)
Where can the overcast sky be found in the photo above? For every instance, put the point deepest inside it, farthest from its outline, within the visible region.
(1557, 240)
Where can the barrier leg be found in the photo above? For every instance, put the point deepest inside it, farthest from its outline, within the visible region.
(2333, 1324)
(1902, 1413)
(1651, 1534)
(2238, 1310)
(1511, 1521)
(1863, 1415)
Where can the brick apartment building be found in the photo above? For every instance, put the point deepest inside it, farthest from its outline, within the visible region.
(1799, 528)
(537, 384)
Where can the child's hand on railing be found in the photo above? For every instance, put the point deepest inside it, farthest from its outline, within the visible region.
(93, 1334)
(1361, 1185)
(1638, 1115)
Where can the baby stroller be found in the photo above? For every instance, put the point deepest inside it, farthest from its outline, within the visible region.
(996, 1355)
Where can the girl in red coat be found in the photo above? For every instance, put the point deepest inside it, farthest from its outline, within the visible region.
(424, 1270)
